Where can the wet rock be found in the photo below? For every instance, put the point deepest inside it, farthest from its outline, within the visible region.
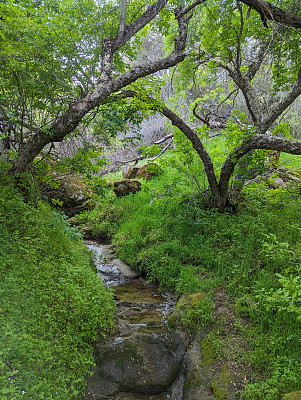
(126, 186)
(113, 272)
(125, 269)
(142, 363)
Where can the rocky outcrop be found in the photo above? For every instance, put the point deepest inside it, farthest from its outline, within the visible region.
(283, 177)
(131, 173)
(126, 186)
(147, 171)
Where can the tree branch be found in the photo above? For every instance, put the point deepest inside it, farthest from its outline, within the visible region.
(278, 109)
(259, 141)
(189, 8)
(193, 138)
(77, 110)
(270, 12)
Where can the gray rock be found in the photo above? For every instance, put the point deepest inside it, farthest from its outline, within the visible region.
(140, 363)
(125, 269)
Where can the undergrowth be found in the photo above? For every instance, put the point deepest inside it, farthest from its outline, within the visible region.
(167, 233)
(52, 305)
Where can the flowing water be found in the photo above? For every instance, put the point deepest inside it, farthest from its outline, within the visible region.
(141, 307)
(142, 310)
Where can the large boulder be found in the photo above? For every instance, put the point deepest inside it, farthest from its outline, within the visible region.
(70, 193)
(126, 186)
(147, 171)
(140, 363)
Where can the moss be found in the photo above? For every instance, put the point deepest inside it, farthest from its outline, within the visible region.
(172, 322)
(194, 311)
(293, 396)
(220, 385)
(207, 353)
(190, 300)
(195, 380)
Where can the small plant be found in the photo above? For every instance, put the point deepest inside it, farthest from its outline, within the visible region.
(274, 251)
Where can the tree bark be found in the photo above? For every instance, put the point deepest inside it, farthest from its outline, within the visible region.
(259, 141)
(272, 13)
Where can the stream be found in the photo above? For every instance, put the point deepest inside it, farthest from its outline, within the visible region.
(143, 359)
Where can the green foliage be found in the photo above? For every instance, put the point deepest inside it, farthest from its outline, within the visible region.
(52, 305)
(102, 223)
(114, 116)
(167, 232)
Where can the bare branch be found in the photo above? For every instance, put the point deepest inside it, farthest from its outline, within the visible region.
(189, 8)
(122, 16)
(164, 139)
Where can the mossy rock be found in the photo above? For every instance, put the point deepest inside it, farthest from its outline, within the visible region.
(131, 173)
(147, 171)
(70, 193)
(293, 396)
(219, 385)
(190, 300)
(126, 186)
(189, 311)
(208, 354)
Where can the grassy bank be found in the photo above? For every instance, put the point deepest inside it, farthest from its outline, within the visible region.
(52, 305)
(166, 231)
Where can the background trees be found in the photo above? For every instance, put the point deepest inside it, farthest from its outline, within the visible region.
(63, 61)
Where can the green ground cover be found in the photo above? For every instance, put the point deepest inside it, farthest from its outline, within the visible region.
(52, 305)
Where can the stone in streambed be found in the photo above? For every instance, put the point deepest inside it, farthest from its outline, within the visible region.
(141, 363)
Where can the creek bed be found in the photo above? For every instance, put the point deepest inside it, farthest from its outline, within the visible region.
(143, 359)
